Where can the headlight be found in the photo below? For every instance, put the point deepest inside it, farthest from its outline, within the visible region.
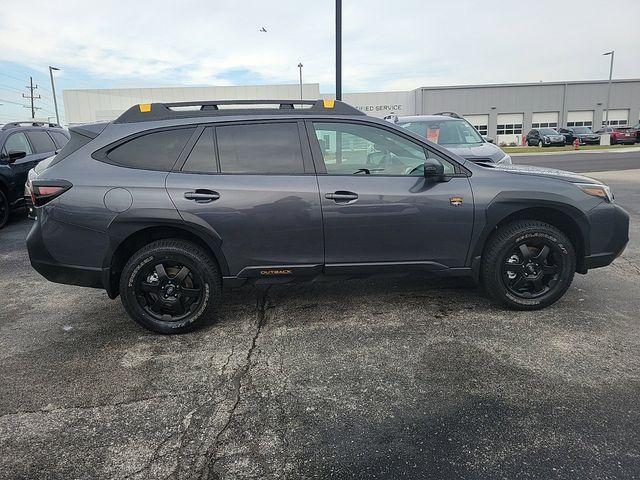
(602, 191)
(506, 160)
(545, 138)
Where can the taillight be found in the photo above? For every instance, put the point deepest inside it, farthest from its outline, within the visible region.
(42, 192)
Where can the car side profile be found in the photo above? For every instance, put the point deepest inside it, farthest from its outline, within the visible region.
(544, 137)
(164, 206)
(619, 135)
(22, 146)
(584, 135)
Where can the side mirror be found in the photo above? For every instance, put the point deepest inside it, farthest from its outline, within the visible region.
(488, 139)
(433, 169)
(16, 155)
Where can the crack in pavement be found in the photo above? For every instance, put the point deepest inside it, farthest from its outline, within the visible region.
(240, 374)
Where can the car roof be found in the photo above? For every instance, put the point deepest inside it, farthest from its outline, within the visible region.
(149, 112)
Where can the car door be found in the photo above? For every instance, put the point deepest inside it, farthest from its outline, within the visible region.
(253, 185)
(379, 211)
(18, 142)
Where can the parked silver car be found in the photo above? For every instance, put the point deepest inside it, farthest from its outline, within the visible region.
(455, 134)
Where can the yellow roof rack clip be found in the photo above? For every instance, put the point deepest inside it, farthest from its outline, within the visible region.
(329, 103)
(145, 107)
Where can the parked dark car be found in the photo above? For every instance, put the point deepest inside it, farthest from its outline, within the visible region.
(584, 135)
(164, 206)
(544, 137)
(619, 135)
(22, 146)
(636, 129)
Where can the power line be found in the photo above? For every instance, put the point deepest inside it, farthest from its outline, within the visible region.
(14, 103)
(8, 87)
(11, 76)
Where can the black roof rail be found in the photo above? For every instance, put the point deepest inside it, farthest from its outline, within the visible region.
(30, 123)
(147, 112)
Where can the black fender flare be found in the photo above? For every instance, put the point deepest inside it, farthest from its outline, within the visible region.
(506, 204)
(133, 221)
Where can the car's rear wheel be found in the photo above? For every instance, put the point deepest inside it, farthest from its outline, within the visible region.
(528, 265)
(5, 210)
(171, 286)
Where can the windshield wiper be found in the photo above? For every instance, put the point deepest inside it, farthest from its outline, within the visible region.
(368, 170)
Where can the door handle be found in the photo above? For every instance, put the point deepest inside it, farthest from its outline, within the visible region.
(202, 196)
(342, 196)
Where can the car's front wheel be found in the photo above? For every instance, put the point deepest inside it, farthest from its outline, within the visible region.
(540, 143)
(5, 210)
(528, 265)
(171, 286)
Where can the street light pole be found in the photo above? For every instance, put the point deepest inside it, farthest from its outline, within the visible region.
(300, 67)
(606, 121)
(53, 91)
(338, 49)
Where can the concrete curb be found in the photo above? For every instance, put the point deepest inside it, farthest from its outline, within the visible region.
(573, 152)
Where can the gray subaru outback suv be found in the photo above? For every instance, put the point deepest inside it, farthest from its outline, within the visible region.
(166, 205)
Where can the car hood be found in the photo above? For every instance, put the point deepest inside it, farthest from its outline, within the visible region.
(480, 152)
(544, 172)
(585, 135)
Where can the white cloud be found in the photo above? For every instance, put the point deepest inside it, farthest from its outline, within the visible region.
(386, 45)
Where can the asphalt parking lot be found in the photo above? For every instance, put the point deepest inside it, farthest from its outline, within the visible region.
(393, 378)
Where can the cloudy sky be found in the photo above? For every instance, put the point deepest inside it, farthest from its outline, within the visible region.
(387, 45)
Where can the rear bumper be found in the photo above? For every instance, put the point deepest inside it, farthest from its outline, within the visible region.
(54, 271)
(609, 235)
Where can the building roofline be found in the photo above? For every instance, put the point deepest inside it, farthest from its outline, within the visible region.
(530, 84)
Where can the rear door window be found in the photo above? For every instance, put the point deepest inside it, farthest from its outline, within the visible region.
(41, 142)
(260, 148)
(153, 151)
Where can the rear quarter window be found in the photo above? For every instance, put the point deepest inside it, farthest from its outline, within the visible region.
(59, 138)
(152, 151)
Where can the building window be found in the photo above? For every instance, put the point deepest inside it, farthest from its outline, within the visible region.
(482, 129)
(615, 122)
(586, 123)
(510, 129)
(544, 125)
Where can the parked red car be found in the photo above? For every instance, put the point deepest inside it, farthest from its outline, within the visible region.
(620, 134)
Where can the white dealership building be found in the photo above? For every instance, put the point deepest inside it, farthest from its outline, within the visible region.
(502, 111)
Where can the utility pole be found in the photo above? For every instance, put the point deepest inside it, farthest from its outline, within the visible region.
(53, 91)
(338, 49)
(612, 52)
(32, 97)
(300, 67)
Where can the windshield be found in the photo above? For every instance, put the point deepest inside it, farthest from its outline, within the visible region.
(445, 132)
(548, 131)
(582, 130)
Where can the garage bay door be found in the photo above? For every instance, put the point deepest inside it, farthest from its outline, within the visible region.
(480, 122)
(509, 128)
(544, 119)
(616, 117)
(580, 118)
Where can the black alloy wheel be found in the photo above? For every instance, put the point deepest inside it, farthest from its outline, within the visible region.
(171, 286)
(169, 291)
(532, 268)
(528, 264)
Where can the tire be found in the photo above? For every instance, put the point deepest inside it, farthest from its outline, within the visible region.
(540, 143)
(5, 209)
(507, 273)
(180, 296)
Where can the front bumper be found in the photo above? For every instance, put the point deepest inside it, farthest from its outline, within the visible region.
(54, 271)
(608, 237)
